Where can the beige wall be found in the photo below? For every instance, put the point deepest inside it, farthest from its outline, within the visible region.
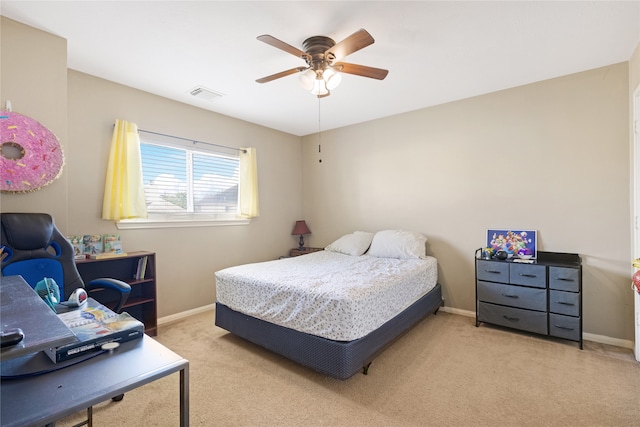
(34, 78)
(551, 156)
(186, 257)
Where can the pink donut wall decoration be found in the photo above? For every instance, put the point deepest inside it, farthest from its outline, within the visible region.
(31, 155)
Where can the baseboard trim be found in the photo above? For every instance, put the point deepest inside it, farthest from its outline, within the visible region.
(602, 339)
(458, 311)
(184, 314)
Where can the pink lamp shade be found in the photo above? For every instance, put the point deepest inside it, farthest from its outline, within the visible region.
(300, 229)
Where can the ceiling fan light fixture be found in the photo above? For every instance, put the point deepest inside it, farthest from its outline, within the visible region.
(332, 78)
(319, 87)
(307, 78)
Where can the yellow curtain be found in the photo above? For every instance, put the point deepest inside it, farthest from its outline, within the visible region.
(124, 187)
(249, 206)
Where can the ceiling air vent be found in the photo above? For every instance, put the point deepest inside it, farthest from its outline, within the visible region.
(205, 94)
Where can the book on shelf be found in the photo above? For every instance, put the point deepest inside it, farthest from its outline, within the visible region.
(141, 269)
(95, 325)
(108, 255)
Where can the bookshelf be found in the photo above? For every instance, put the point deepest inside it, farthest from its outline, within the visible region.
(141, 303)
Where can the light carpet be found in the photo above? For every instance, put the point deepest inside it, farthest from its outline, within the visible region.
(444, 371)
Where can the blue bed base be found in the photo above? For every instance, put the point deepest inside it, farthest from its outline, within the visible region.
(338, 359)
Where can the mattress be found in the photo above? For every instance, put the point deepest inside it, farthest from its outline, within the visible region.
(327, 294)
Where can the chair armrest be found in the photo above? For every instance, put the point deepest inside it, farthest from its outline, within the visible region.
(114, 284)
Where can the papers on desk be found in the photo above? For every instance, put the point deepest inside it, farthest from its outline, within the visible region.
(95, 325)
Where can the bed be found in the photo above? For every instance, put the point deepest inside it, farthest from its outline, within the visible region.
(332, 310)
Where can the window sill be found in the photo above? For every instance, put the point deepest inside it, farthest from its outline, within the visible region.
(150, 223)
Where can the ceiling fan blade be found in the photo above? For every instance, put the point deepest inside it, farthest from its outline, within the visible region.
(361, 70)
(270, 40)
(281, 74)
(356, 41)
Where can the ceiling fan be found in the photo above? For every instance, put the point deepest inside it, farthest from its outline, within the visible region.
(322, 72)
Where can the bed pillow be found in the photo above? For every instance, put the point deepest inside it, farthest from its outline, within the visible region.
(355, 243)
(398, 244)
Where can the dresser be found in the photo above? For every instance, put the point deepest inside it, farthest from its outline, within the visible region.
(543, 296)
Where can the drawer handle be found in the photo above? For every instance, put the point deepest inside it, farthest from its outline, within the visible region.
(510, 296)
(564, 279)
(564, 303)
(492, 271)
(528, 275)
(563, 327)
(513, 319)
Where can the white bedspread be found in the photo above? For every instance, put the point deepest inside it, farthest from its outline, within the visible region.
(335, 296)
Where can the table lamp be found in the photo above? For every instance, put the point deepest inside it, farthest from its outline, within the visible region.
(300, 229)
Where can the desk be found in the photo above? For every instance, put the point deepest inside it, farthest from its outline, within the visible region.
(42, 399)
(21, 307)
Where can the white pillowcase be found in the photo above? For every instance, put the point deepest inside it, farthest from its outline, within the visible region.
(398, 244)
(355, 243)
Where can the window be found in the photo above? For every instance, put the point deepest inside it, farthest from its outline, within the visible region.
(187, 181)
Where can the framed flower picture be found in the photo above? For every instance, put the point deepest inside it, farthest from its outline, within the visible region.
(514, 242)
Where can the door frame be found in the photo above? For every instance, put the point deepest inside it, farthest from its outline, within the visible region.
(635, 186)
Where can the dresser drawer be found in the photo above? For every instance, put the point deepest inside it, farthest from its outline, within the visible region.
(564, 303)
(528, 275)
(526, 320)
(564, 279)
(492, 271)
(564, 327)
(512, 295)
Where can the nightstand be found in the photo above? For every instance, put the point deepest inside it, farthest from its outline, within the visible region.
(303, 251)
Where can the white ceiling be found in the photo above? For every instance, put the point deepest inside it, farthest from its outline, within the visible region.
(435, 51)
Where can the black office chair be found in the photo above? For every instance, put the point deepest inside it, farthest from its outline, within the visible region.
(34, 248)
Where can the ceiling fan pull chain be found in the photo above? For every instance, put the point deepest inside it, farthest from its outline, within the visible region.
(319, 133)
